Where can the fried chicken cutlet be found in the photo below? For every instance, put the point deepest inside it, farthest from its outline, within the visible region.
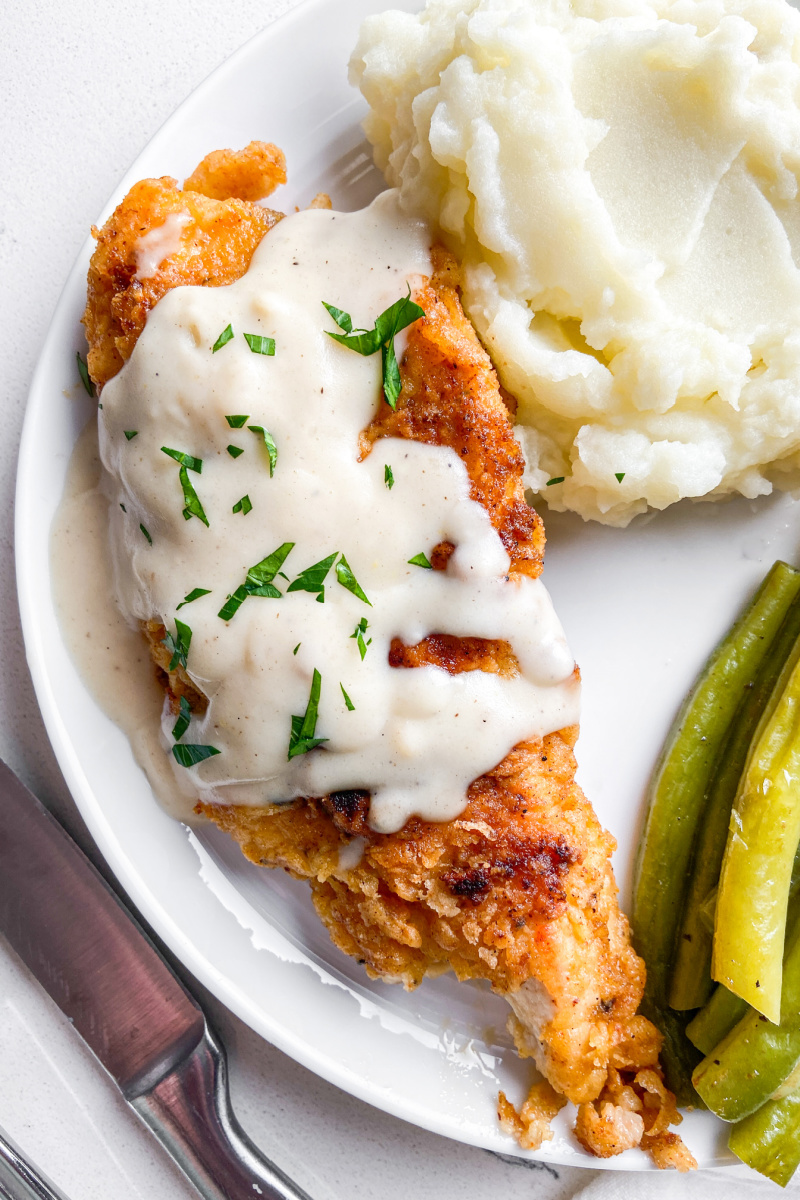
(519, 888)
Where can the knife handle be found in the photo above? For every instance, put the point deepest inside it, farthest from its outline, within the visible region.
(189, 1111)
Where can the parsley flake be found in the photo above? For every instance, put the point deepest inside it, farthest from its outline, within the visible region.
(258, 581)
(619, 476)
(421, 560)
(348, 580)
(350, 706)
(178, 645)
(557, 479)
(313, 578)
(193, 595)
(122, 506)
(191, 501)
(236, 422)
(234, 451)
(381, 337)
(259, 344)
(184, 717)
(297, 647)
(269, 442)
(358, 634)
(188, 755)
(86, 378)
(391, 374)
(242, 506)
(181, 458)
(388, 476)
(146, 534)
(130, 434)
(301, 738)
(342, 319)
(223, 339)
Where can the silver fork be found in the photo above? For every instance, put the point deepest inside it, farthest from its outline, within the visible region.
(19, 1178)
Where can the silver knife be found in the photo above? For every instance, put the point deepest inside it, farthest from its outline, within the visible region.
(152, 1037)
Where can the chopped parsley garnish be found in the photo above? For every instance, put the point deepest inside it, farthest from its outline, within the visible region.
(236, 422)
(313, 578)
(342, 319)
(235, 451)
(297, 647)
(391, 374)
(358, 634)
(188, 755)
(421, 560)
(350, 706)
(557, 479)
(259, 344)
(301, 738)
(381, 337)
(258, 581)
(269, 442)
(348, 580)
(122, 506)
(86, 378)
(388, 476)
(242, 506)
(130, 434)
(223, 339)
(193, 595)
(619, 476)
(146, 534)
(191, 501)
(182, 723)
(184, 460)
(178, 646)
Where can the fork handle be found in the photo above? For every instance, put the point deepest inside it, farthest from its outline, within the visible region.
(189, 1111)
(19, 1178)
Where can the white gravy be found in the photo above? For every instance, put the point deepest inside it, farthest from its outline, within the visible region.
(111, 655)
(415, 738)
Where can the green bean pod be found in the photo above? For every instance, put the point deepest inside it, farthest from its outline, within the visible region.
(769, 1139)
(724, 1010)
(750, 923)
(757, 1057)
(691, 978)
(714, 1022)
(676, 800)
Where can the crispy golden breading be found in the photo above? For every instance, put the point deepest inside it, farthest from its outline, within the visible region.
(215, 248)
(519, 888)
(249, 174)
(531, 1125)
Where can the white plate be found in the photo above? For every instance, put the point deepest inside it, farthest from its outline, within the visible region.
(641, 608)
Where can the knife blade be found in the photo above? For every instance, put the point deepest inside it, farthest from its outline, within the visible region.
(150, 1034)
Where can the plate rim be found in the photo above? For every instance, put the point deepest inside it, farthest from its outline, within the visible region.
(134, 887)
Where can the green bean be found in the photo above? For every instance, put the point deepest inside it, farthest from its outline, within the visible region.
(711, 1024)
(756, 1058)
(750, 923)
(769, 1139)
(677, 793)
(691, 979)
(724, 1010)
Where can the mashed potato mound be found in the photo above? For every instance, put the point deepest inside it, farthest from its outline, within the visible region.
(620, 180)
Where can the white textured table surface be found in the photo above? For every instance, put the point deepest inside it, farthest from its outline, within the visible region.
(83, 86)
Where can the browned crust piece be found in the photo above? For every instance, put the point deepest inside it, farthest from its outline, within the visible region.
(250, 174)
(519, 889)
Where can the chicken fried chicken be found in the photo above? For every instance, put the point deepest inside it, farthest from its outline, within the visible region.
(518, 890)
